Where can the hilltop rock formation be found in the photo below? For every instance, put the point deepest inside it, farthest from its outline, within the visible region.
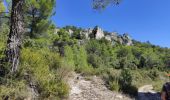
(127, 39)
(124, 39)
(98, 33)
(70, 32)
(86, 33)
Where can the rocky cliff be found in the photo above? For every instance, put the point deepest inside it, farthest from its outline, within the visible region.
(98, 33)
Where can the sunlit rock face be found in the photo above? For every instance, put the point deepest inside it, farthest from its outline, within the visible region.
(86, 33)
(124, 39)
(56, 30)
(70, 32)
(97, 33)
(127, 39)
(114, 36)
(108, 37)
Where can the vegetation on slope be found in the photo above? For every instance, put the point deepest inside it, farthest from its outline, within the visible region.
(47, 58)
(47, 61)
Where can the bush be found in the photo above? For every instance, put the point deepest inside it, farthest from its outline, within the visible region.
(125, 78)
(80, 60)
(41, 66)
(111, 77)
(153, 74)
(14, 90)
(114, 86)
(125, 82)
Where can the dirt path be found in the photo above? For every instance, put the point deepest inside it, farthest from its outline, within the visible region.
(93, 89)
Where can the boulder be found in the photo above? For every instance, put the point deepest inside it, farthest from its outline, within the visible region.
(70, 32)
(56, 30)
(114, 36)
(127, 39)
(108, 37)
(97, 33)
(86, 33)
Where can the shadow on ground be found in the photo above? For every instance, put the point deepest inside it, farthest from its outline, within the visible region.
(148, 96)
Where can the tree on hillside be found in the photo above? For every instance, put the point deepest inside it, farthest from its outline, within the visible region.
(37, 14)
(14, 38)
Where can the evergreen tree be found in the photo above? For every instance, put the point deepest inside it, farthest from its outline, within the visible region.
(37, 14)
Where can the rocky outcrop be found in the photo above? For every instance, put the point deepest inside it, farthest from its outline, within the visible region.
(107, 37)
(98, 33)
(70, 32)
(124, 39)
(114, 36)
(32, 88)
(86, 33)
(56, 30)
(127, 39)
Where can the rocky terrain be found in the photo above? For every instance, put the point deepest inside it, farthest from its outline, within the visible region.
(98, 33)
(93, 88)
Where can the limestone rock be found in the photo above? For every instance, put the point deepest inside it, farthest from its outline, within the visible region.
(108, 37)
(56, 30)
(127, 39)
(86, 33)
(97, 33)
(70, 32)
(114, 36)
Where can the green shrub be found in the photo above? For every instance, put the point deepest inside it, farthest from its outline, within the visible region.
(80, 60)
(111, 77)
(125, 82)
(114, 86)
(69, 56)
(153, 74)
(125, 78)
(14, 90)
(42, 65)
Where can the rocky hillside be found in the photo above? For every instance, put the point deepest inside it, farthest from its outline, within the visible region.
(47, 60)
(98, 33)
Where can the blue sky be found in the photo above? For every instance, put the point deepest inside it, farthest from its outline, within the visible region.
(144, 20)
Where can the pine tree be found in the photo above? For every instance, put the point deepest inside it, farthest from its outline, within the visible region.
(37, 14)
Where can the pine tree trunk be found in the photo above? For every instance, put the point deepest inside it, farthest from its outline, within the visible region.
(14, 38)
